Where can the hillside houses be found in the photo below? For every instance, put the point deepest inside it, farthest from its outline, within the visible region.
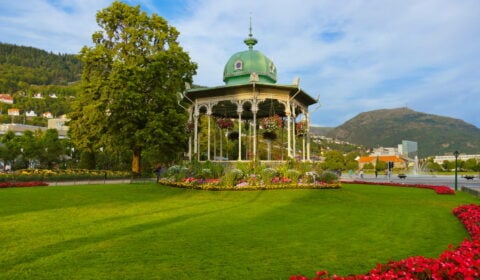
(6, 98)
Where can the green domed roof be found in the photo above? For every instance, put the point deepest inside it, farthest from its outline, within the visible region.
(240, 65)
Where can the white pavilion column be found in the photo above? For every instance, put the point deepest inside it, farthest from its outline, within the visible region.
(254, 111)
(289, 136)
(239, 111)
(190, 134)
(195, 133)
(294, 142)
(209, 113)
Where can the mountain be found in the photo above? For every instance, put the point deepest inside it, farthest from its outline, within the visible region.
(23, 66)
(321, 130)
(436, 135)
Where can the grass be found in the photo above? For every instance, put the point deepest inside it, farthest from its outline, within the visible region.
(147, 231)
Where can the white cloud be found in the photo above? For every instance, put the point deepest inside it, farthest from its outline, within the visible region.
(358, 55)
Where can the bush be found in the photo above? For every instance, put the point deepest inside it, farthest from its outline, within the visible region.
(327, 177)
(177, 172)
(268, 174)
(293, 175)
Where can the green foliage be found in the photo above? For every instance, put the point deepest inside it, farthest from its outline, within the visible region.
(293, 175)
(334, 160)
(87, 160)
(381, 165)
(23, 66)
(177, 172)
(327, 177)
(268, 174)
(231, 177)
(129, 86)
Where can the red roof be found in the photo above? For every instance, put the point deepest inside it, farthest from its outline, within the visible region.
(368, 159)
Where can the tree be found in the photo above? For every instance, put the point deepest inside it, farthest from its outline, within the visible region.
(130, 83)
(31, 146)
(334, 160)
(11, 148)
(53, 148)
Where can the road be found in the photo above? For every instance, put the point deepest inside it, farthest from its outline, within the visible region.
(439, 180)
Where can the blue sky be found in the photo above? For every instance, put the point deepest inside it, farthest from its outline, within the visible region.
(356, 56)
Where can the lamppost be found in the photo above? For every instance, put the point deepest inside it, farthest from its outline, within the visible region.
(456, 165)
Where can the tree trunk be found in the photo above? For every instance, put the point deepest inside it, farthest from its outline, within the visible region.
(136, 162)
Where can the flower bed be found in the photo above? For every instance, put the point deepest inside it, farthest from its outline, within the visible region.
(462, 262)
(437, 189)
(22, 184)
(214, 185)
(29, 175)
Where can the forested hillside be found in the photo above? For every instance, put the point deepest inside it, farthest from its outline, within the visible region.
(23, 66)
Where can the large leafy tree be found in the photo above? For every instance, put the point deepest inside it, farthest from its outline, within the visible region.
(130, 81)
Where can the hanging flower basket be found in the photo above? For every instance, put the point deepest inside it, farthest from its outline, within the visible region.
(272, 123)
(224, 123)
(189, 127)
(301, 128)
(269, 135)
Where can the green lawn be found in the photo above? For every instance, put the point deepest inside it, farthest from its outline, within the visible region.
(148, 231)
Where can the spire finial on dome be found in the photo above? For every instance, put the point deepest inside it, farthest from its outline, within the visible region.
(250, 41)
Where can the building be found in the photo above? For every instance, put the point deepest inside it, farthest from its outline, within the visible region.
(18, 129)
(249, 97)
(47, 115)
(30, 113)
(441, 159)
(6, 98)
(408, 149)
(59, 125)
(14, 112)
(398, 161)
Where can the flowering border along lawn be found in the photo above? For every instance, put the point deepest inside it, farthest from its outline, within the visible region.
(215, 185)
(22, 184)
(437, 189)
(462, 262)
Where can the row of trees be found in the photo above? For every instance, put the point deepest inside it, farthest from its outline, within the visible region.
(43, 149)
(462, 165)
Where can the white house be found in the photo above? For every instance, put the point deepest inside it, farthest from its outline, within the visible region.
(30, 113)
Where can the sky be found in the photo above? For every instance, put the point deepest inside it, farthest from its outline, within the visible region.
(355, 56)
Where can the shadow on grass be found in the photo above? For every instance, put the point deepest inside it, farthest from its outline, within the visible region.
(16, 201)
(10, 265)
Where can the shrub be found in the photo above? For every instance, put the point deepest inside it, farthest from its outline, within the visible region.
(177, 172)
(327, 177)
(268, 174)
(293, 175)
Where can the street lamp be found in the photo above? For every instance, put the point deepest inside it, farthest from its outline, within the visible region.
(456, 165)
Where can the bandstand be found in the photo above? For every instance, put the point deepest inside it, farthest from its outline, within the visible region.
(243, 110)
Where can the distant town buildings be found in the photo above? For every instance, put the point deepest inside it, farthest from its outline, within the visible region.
(408, 149)
(398, 161)
(441, 159)
(53, 123)
(6, 98)
(14, 112)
